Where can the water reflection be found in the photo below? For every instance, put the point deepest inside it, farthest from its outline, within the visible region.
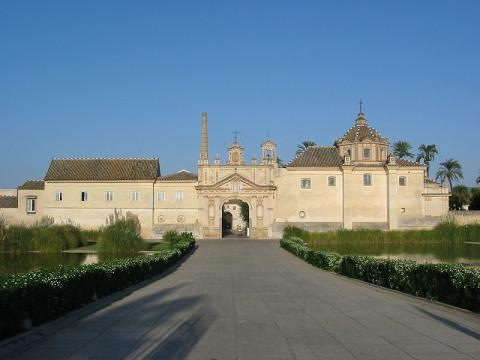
(24, 262)
(459, 253)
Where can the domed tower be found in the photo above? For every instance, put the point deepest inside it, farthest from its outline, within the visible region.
(362, 143)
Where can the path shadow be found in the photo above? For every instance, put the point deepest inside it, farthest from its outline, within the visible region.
(179, 343)
(451, 323)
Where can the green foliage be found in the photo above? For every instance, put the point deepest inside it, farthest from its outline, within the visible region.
(91, 235)
(460, 196)
(475, 201)
(245, 212)
(44, 295)
(121, 236)
(452, 284)
(447, 232)
(451, 170)
(426, 153)
(401, 149)
(41, 237)
(3, 229)
(304, 146)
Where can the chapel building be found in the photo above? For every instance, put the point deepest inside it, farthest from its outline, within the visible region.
(356, 183)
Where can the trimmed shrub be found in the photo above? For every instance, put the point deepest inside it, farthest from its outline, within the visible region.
(44, 295)
(452, 284)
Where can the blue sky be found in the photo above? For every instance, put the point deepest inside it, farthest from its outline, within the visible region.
(131, 78)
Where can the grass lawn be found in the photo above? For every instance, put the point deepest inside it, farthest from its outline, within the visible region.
(157, 246)
(92, 245)
(150, 246)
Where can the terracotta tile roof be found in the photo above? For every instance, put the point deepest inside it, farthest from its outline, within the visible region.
(182, 175)
(102, 169)
(361, 131)
(408, 163)
(8, 202)
(32, 185)
(315, 156)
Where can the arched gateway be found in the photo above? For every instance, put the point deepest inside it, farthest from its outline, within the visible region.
(233, 190)
(236, 181)
(235, 219)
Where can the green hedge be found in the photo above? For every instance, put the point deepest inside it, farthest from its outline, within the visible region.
(46, 294)
(452, 284)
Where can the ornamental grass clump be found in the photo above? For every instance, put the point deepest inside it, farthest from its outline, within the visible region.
(122, 236)
(18, 238)
(41, 237)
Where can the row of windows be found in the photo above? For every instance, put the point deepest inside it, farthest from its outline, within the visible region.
(109, 196)
(367, 153)
(367, 181)
(307, 183)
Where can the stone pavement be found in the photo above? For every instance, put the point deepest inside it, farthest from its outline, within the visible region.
(245, 299)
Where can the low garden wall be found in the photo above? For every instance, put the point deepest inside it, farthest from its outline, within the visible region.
(465, 217)
(452, 284)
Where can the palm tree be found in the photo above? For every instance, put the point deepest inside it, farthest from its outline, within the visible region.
(478, 180)
(401, 149)
(303, 146)
(427, 154)
(451, 170)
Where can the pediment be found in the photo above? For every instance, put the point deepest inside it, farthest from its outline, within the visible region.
(235, 182)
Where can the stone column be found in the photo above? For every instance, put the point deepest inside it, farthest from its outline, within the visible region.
(204, 145)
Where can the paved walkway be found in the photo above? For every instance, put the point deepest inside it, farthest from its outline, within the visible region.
(244, 299)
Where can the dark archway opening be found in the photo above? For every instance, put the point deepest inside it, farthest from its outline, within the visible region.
(235, 219)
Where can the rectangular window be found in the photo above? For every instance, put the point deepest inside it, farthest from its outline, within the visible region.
(83, 196)
(402, 181)
(332, 181)
(366, 153)
(306, 184)
(135, 196)
(179, 196)
(161, 196)
(367, 179)
(58, 196)
(31, 205)
(108, 195)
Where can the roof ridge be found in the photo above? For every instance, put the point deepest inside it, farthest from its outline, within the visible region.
(106, 158)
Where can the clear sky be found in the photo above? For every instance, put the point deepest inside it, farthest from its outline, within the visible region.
(131, 78)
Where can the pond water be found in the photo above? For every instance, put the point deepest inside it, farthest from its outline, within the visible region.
(23, 262)
(459, 253)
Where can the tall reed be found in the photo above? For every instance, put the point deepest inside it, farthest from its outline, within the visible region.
(447, 232)
(41, 237)
(122, 236)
